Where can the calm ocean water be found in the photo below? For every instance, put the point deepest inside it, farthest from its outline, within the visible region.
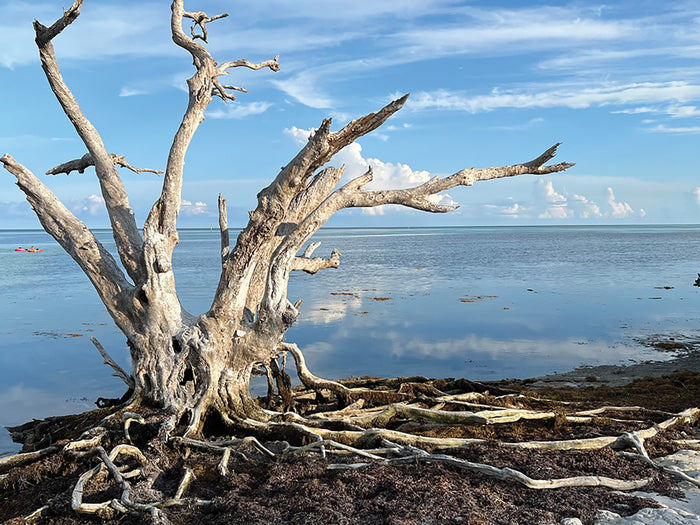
(481, 303)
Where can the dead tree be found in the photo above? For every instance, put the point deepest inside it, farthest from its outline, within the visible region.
(197, 367)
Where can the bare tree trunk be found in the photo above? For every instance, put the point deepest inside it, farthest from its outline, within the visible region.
(199, 368)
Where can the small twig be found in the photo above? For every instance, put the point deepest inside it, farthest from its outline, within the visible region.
(118, 370)
(38, 513)
(201, 20)
(187, 479)
(222, 467)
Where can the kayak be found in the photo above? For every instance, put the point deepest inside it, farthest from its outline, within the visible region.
(20, 250)
(35, 250)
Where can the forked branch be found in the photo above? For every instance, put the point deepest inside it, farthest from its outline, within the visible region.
(354, 194)
(201, 20)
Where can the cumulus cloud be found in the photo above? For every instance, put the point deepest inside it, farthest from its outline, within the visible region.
(553, 204)
(696, 193)
(556, 205)
(585, 208)
(92, 205)
(619, 210)
(198, 208)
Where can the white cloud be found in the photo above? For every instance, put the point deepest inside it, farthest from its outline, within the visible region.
(93, 205)
(549, 194)
(305, 89)
(619, 210)
(574, 97)
(596, 58)
(298, 135)
(386, 175)
(198, 208)
(555, 205)
(696, 193)
(558, 211)
(678, 130)
(131, 92)
(512, 211)
(141, 29)
(237, 110)
(584, 208)
(673, 111)
(482, 30)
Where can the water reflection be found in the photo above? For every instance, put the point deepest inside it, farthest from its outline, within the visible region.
(481, 303)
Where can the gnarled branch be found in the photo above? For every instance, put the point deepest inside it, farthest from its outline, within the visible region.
(314, 265)
(201, 20)
(76, 239)
(354, 194)
(86, 161)
(125, 231)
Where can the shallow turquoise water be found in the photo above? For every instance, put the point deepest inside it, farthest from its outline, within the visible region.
(481, 303)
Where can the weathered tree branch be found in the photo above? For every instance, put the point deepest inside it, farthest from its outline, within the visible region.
(314, 265)
(201, 20)
(274, 203)
(86, 161)
(223, 228)
(125, 231)
(354, 194)
(78, 241)
(47, 34)
(118, 370)
(509, 474)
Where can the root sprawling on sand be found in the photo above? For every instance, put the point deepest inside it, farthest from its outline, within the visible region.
(451, 433)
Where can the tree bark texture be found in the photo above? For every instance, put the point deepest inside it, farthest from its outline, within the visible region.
(199, 367)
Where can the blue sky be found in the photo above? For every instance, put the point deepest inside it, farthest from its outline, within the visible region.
(491, 83)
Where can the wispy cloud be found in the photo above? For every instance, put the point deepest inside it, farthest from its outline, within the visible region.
(131, 92)
(678, 130)
(577, 97)
(237, 110)
(305, 89)
(112, 30)
(477, 31)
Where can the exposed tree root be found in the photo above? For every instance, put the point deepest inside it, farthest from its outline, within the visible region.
(424, 430)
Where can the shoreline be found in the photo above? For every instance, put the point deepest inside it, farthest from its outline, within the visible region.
(616, 375)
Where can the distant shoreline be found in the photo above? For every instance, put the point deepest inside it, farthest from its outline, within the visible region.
(687, 359)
